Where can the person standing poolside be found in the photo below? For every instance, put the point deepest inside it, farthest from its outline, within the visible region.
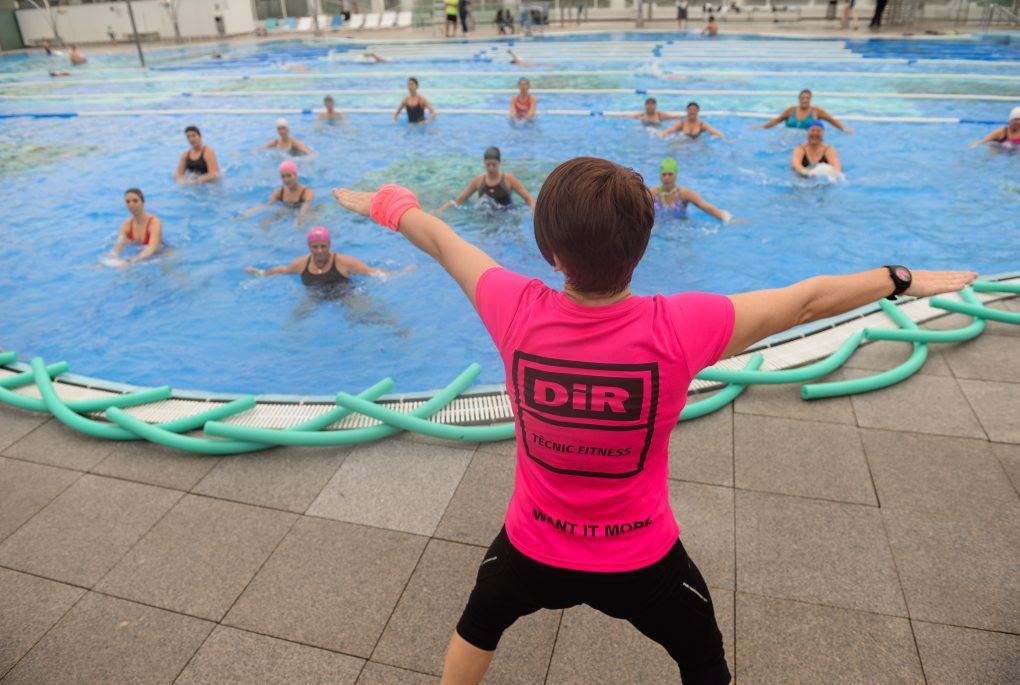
(322, 268)
(691, 126)
(652, 116)
(415, 104)
(452, 10)
(712, 28)
(524, 104)
(598, 377)
(493, 186)
(803, 115)
(141, 229)
(284, 141)
(849, 10)
(876, 18)
(808, 156)
(1007, 136)
(681, 14)
(673, 199)
(198, 163)
(331, 114)
(291, 195)
(464, 9)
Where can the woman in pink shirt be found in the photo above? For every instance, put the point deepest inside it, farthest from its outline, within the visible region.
(598, 377)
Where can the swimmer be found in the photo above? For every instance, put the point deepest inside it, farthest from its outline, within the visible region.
(524, 104)
(809, 155)
(57, 74)
(1005, 136)
(295, 67)
(582, 366)
(494, 186)
(652, 116)
(371, 58)
(76, 57)
(322, 268)
(331, 114)
(141, 229)
(285, 142)
(415, 104)
(291, 194)
(712, 29)
(46, 47)
(198, 163)
(516, 61)
(803, 115)
(691, 126)
(671, 198)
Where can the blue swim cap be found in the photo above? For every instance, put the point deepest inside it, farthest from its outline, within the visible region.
(817, 123)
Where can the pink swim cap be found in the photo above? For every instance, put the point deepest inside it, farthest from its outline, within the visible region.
(288, 166)
(319, 234)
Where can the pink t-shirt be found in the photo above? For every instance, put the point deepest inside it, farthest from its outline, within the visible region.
(596, 393)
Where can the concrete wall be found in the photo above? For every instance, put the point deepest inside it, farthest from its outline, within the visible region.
(88, 23)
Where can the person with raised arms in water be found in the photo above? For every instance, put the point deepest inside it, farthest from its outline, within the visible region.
(142, 229)
(672, 199)
(652, 115)
(284, 141)
(808, 158)
(291, 194)
(691, 126)
(493, 187)
(1008, 136)
(198, 163)
(597, 378)
(802, 115)
(524, 104)
(415, 104)
(322, 268)
(331, 114)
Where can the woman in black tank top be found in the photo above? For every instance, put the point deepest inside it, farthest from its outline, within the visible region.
(494, 186)
(415, 105)
(198, 163)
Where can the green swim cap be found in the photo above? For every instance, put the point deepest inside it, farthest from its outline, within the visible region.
(668, 166)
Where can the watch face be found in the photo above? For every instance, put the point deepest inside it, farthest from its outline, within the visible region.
(902, 274)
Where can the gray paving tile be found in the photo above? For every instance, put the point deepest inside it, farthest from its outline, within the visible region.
(702, 450)
(476, 512)
(997, 405)
(25, 488)
(927, 472)
(81, 534)
(960, 656)
(784, 401)
(55, 444)
(503, 447)
(144, 462)
(992, 327)
(814, 551)
(784, 642)
(198, 559)
(380, 674)
(705, 513)
(236, 656)
(401, 485)
(887, 354)
(31, 606)
(1009, 456)
(16, 424)
(421, 625)
(804, 458)
(287, 478)
(943, 411)
(959, 567)
(594, 649)
(329, 584)
(987, 358)
(108, 640)
(438, 442)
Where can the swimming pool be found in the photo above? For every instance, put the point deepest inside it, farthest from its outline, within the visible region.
(193, 319)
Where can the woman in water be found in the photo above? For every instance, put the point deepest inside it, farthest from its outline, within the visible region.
(284, 141)
(807, 156)
(142, 229)
(415, 105)
(198, 163)
(1007, 136)
(523, 105)
(76, 57)
(691, 126)
(653, 116)
(493, 186)
(323, 268)
(802, 115)
(673, 199)
(291, 194)
(332, 113)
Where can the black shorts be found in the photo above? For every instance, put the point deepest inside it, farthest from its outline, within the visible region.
(451, 19)
(667, 601)
(681, 13)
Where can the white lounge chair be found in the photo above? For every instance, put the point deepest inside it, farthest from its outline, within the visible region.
(404, 19)
(371, 21)
(304, 24)
(357, 21)
(389, 20)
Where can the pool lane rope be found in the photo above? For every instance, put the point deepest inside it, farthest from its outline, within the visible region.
(226, 438)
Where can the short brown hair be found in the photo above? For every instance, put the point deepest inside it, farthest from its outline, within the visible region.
(596, 217)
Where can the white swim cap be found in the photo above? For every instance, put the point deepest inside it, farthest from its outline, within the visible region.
(282, 122)
(1015, 114)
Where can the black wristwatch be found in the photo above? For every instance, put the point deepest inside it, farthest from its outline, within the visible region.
(901, 279)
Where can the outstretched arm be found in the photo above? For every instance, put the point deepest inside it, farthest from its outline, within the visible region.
(672, 129)
(825, 116)
(783, 116)
(460, 199)
(997, 134)
(762, 313)
(711, 129)
(516, 185)
(294, 267)
(353, 265)
(462, 260)
(708, 208)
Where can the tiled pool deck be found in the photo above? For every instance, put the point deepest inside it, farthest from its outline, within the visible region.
(871, 540)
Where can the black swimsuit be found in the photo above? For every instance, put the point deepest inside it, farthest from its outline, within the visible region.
(330, 277)
(805, 162)
(293, 204)
(415, 113)
(197, 166)
(499, 193)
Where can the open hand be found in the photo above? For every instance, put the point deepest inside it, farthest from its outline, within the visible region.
(353, 200)
(924, 283)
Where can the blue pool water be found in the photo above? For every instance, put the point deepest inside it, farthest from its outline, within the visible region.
(193, 319)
